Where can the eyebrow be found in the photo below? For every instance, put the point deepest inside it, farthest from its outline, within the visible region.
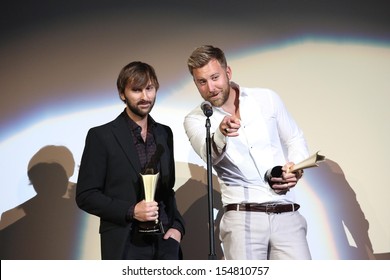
(201, 79)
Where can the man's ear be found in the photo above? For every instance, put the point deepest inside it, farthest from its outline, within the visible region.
(122, 96)
(229, 72)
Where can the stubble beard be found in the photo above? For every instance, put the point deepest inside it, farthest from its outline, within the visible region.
(222, 100)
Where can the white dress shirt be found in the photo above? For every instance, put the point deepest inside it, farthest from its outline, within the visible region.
(268, 137)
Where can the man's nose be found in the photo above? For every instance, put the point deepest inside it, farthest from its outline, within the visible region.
(211, 86)
(144, 93)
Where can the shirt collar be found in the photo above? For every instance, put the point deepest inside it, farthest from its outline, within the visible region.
(240, 93)
(134, 126)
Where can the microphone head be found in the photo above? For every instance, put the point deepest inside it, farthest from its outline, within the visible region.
(206, 108)
(277, 171)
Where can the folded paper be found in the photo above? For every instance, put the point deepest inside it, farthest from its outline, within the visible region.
(311, 161)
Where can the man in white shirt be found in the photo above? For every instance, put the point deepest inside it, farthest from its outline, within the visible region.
(255, 142)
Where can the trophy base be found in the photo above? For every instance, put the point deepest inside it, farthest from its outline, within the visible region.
(150, 228)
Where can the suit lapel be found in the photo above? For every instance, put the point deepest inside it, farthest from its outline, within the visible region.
(122, 133)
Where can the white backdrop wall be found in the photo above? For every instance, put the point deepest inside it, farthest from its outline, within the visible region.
(328, 61)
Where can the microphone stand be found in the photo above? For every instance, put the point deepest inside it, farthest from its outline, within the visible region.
(212, 255)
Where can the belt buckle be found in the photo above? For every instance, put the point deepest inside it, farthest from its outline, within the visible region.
(270, 208)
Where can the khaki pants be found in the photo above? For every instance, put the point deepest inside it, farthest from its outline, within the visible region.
(261, 236)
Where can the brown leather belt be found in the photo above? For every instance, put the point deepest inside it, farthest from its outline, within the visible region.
(263, 207)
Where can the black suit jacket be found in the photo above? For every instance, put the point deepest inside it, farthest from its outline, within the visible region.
(109, 181)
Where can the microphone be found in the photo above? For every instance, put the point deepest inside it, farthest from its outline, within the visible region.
(276, 172)
(207, 108)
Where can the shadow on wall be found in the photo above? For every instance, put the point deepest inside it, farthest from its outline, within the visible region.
(192, 202)
(47, 225)
(343, 212)
(338, 198)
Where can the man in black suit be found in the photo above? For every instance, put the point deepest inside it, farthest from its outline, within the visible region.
(109, 182)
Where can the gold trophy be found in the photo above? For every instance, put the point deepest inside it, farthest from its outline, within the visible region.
(150, 183)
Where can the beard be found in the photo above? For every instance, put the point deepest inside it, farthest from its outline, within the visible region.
(224, 95)
(136, 110)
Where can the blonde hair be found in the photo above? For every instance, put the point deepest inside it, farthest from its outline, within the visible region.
(203, 55)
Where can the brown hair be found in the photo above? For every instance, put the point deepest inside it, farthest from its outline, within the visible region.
(138, 74)
(203, 55)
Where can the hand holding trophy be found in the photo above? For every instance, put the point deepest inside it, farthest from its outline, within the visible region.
(149, 181)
